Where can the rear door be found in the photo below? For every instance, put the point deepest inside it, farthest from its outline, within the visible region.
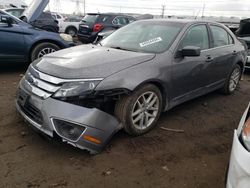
(223, 52)
(12, 47)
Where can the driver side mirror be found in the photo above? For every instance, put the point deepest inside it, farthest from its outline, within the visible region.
(190, 51)
(6, 19)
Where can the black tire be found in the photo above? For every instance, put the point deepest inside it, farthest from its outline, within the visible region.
(124, 109)
(226, 88)
(71, 31)
(38, 48)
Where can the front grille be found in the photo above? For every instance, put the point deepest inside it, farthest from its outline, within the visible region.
(32, 112)
(40, 86)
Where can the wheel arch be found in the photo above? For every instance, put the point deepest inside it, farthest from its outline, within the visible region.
(161, 87)
(43, 41)
(70, 26)
(241, 64)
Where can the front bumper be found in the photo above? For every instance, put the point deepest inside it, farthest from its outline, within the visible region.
(87, 38)
(239, 167)
(40, 113)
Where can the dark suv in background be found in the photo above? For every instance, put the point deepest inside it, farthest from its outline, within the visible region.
(94, 23)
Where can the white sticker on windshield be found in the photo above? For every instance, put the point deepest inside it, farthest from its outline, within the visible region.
(151, 41)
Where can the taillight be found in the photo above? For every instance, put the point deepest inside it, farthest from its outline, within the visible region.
(97, 27)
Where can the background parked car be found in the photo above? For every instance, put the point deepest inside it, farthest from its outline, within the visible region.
(45, 21)
(244, 34)
(239, 168)
(20, 42)
(70, 25)
(93, 23)
(35, 16)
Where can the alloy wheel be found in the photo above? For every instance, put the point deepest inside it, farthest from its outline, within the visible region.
(145, 110)
(234, 79)
(45, 51)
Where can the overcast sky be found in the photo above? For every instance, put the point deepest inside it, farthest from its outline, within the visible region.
(240, 8)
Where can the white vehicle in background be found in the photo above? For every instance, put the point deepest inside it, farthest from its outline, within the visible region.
(58, 17)
(70, 26)
(239, 168)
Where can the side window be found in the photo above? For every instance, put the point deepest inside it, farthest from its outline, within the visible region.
(58, 16)
(196, 36)
(120, 20)
(104, 19)
(131, 19)
(220, 36)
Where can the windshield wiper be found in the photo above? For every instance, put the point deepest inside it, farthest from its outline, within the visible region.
(120, 48)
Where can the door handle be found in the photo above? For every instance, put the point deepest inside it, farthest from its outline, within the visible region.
(209, 58)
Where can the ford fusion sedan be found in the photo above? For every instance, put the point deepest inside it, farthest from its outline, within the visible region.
(87, 93)
(239, 168)
(21, 42)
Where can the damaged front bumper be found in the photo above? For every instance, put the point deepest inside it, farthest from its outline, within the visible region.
(85, 128)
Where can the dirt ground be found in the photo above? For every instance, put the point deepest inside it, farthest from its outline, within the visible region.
(196, 158)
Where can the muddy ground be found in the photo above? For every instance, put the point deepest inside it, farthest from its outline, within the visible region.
(196, 158)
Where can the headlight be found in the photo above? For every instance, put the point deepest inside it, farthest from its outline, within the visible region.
(245, 135)
(73, 89)
(66, 37)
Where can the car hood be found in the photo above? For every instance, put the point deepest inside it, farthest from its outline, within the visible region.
(35, 9)
(89, 61)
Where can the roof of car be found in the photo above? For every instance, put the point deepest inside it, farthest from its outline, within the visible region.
(180, 21)
(109, 13)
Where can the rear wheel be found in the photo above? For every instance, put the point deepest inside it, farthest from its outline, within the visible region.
(140, 111)
(42, 49)
(232, 81)
(71, 31)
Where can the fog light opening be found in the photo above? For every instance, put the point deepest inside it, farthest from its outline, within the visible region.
(68, 130)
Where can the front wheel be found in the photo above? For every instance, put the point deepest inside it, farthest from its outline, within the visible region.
(232, 81)
(140, 111)
(42, 49)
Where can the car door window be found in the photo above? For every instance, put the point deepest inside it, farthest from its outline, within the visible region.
(220, 36)
(130, 19)
(120, 20)
(196, 36)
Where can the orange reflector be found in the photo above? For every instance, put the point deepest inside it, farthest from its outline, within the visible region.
(92, 139)
(246, 129)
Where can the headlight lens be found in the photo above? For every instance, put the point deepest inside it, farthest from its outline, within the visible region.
(73, 89)
(246, 134)
(66, 37)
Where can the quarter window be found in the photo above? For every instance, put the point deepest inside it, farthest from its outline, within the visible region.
(220, 36)
(196, 36)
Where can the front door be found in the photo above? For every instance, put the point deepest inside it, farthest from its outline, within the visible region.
(190, 74)
(12, 46)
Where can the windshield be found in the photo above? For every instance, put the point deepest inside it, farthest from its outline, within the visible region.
(149, 37)
(13, 17)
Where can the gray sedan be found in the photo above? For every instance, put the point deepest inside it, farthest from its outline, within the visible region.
(87, 93)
